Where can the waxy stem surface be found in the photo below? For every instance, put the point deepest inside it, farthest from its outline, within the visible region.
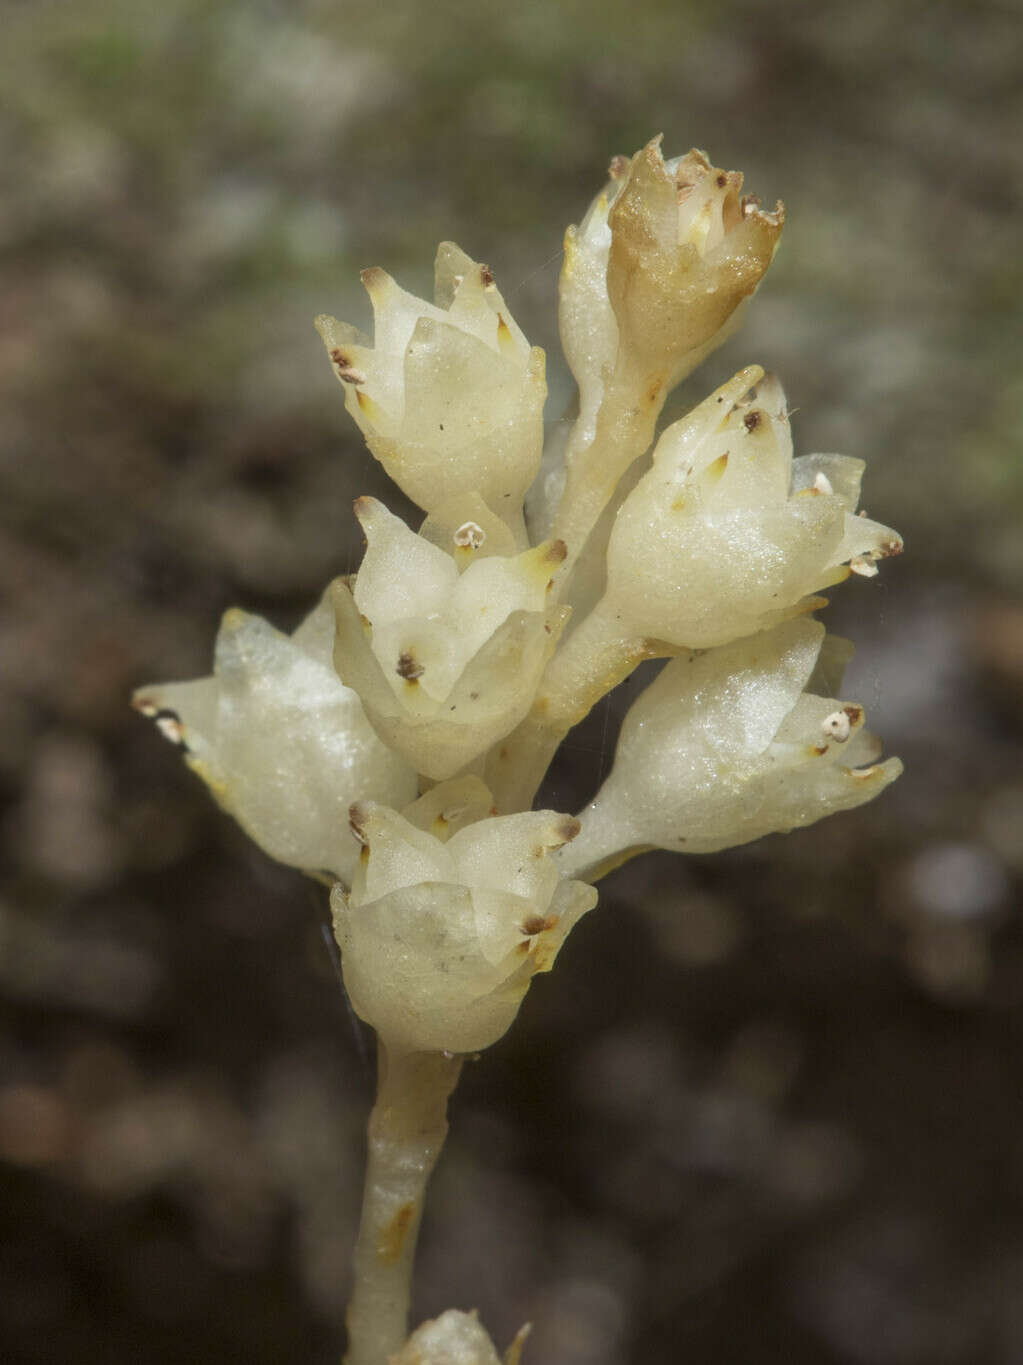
(406, 1132)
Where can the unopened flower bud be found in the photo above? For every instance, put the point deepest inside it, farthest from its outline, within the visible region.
(449, 396)
(282, 744)
(456, 1338)
(687, 249)
(725, 747)
(440, 939)
(726, 535)
(446, 663)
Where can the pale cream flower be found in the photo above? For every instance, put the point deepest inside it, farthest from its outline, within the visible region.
(440, 939)
(456, 1338)
(445, 649)
(687, 249)
(282, 744)
(727, 746)
(449, 396)
(726, 534)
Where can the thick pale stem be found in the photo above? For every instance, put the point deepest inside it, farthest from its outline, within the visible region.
(624, 429)
(596, 657)
(407, 1129)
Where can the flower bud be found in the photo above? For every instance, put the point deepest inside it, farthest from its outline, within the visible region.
(726, 535)
(449, 397)
(282, 744)
(456, 1338)
(440, 940)
(687, 249)
(446, 662)
(726, 746)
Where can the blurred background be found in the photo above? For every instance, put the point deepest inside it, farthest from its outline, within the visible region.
(769, 1108)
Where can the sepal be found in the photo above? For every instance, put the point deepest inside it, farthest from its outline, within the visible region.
(687, 250)
(282, 744)
(450, 396)
(446, 662)
(726, 535)
(440, 940)
(725, 747)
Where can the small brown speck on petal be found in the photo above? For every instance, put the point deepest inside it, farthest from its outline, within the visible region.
(408, 667)
(538, 924)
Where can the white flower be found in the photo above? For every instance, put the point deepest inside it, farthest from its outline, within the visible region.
(456, 1338)
(449, 397)
(439, 940)
(282, 744)
(726, 746)
(446, 662)
(687, 249)
(726, 534)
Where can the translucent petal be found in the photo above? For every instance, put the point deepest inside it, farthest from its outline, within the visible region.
(454, 1338)
(450, 806)
(281, 742)
(865, 538)
(512, 852)
(395, 312)
(450, 399)
(589, 330)
(723, 748)
(395, 854)
(439, 940)
(840, 474)
(719, 539)
(401, 574)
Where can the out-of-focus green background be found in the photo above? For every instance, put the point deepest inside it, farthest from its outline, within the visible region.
(769, 1107)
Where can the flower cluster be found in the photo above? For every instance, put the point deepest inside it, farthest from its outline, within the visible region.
(395, 743)
(439, 661)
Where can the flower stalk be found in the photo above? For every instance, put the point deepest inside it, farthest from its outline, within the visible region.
(599, 654)
(595, 462)
(406, 1132)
